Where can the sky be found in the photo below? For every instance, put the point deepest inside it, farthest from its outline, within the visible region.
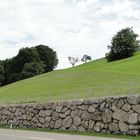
(70, 27)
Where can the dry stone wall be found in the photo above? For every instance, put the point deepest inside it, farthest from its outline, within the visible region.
(118, 115)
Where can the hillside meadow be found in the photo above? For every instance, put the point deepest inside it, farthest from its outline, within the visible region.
(94, 79)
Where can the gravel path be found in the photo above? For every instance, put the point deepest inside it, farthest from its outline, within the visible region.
(6, 134)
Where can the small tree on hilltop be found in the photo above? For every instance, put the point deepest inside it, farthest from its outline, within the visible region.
(85, 58)
(73, 60)
(123, 45)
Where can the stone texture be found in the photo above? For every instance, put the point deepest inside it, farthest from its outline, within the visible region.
(118, 115)
(67, 113)
(102, 105)
(58, 123)
(134, 127)
(86, 115)
(74, 113)
(123, 127)
(52, 124)
(107, 116)
(42, 113)
(91, 124)
(67, 122)
(59, 108)
(85, 124)
(113, 127)
(48, 112)
(98, 126)
(139, 118)
(83, 107)
(55, 116)
(42, 120)
(134, 132)
(48, 119)
(126, 107)
(117, 104)
(91, 109)
(133, 99)
(136, 108)
(77, 121)
(133, 118)
(96, 116)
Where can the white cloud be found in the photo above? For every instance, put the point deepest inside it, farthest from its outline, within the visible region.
(71, 27)
(117, 7)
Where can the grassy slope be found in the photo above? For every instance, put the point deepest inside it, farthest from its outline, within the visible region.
(96, 78)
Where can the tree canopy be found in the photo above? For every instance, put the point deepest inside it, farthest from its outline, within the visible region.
(123, 45)
(28, 62)
(85, 58)
(48, 56)
(31, 69)
(1, 73)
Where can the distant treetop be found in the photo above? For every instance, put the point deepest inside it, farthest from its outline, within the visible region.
(85, 58)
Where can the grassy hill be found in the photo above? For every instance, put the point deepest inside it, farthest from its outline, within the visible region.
(93, 79)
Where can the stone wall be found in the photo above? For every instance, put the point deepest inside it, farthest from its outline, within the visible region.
(118, 115)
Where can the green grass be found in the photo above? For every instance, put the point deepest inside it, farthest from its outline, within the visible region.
(93, 79)
(79, 133)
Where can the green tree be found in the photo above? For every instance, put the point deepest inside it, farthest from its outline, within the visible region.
(26, 55)
(1, 73)
(48, 56)
(123, 45)
(11, 71)
(85, 58)
(29, 62)
(32, 69)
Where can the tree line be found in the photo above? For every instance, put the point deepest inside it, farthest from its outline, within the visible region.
(27, 63)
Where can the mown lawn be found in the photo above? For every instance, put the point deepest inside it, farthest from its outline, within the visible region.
(93, 79)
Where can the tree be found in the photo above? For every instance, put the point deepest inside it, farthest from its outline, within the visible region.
(48, 56)
(73, 60)
(28, 62)
(85, 58)
(32, 69)
(14, 66)
(1, 74)
(11, 71)
(26, 55)
(123, 45)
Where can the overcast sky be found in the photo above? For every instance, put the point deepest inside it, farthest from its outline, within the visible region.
(70, 27)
